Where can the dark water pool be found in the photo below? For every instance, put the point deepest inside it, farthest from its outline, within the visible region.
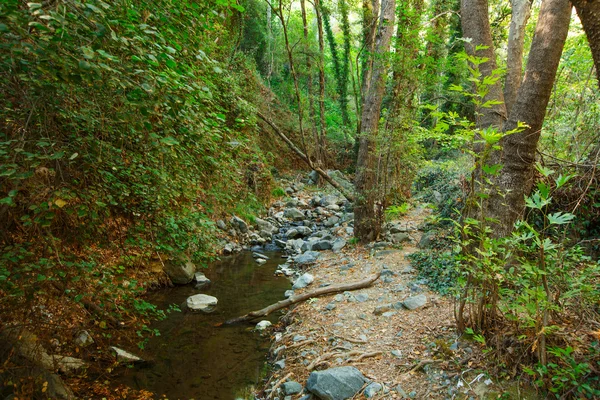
(193, 359)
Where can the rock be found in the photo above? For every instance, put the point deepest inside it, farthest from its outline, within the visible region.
(55, 388)
(295, 244)
(362, 297)
(298, 231)
(303, 281)
(389, 314)
(373, 389)
(298, 338)
(309, 257)
(322, 245)
(331, 221)
(414, 302)
(289, 191)
(265, 226)
(124, 356)
(288, 293)
(260, 261)
(68, 365)
(313, 176)
(221, 225)
(262, 325)
(201, 302)
(328, 200)
(291, 387)
(335, 383)
(240, 224)
(293, 214)
(340, 178)
(279, 364)
(201, 280)
(398, 238)
(427, 240)
(83, 339)
(258, 255)
(397, 229)
(180, 271)
(437, 196)
(228, 248)
(397, 353)
(338, 244)
(330, 307)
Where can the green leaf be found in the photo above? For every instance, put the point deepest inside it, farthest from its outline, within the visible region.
(169, 141)
(562, 179)
(543, 170)
(560, 218)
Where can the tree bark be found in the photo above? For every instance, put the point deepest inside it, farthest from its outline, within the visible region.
(521, 10)
(476, 28)
(589, 14)
(519, 149)
(323, 127)
(368, 215)
(303, 297)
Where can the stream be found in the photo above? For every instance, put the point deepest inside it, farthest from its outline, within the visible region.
(193, 359)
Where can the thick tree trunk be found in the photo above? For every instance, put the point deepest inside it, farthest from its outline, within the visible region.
(521, 10)
(368, 215)
(476, 27)
(345, 25)
(519, 149)
(589, 14)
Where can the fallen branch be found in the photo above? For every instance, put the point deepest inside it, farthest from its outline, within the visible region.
(279, 383)
(303, 297)
(363, 356)
(305, 158)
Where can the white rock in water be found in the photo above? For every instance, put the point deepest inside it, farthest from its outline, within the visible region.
(125, 356)
(201, 279)
(202, 302)
(262, 325)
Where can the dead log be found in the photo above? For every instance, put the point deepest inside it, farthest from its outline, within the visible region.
(305, 158)
(303, 297)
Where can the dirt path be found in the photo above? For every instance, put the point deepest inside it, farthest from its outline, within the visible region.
(409, 353)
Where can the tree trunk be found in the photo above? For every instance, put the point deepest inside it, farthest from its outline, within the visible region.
(309, 86)
(368, 215)
(589, 14)
(518, 150)
(521, 10)
(476, 27)
(323, 127)
(345, 25)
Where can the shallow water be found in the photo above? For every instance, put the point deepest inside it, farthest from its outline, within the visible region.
(193, 359)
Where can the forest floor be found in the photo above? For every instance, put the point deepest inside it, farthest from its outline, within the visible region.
(406, 353)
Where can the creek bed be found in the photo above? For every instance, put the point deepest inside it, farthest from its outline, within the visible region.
(193, 359)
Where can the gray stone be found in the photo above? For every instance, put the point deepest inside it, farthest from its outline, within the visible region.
(398, 229)
(335, 383)
(260, 261)
(221, 225)
(124, 356)
(298, 338)
(239, 223)
(279, 364)
(338, 244)
(398, 238)
(262, 325)
(288, 293)
(181, 270)
(339, 297)
(437, 196)
(259, 255)
(427, 240)
(389, 314)
(331, 306)
(309, 257)
(291, 387)
(362, 297)
(322, 245)
(414, 302)
(298, 231)
(201, 302)
(303, 281)
(201, 280)
(83, 339)
(397, 353)
(265, 225)
(331, 221)
(328, 200)
(294, 214)
(228, 248)
(313, 176)
(68, 365)
(373, 389)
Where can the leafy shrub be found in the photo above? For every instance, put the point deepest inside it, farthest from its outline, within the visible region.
(439, 268)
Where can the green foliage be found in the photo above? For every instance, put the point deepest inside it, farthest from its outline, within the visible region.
(394, 212)
(438, 268)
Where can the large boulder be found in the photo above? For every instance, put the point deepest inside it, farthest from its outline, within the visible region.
(298, 231)
(180, 270)
(293, 214)
(310, 257)
(336, 383)
(303, 281)
(266, 226)
(201, 302)
(239, 223)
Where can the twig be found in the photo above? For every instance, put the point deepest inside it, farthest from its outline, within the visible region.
(279, 383)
